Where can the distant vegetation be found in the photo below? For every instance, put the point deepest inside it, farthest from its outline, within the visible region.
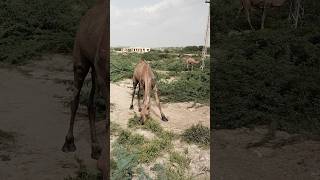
(184, 86)
(31, 27)
(269, 75)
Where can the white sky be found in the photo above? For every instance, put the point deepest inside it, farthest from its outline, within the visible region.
(158, 23)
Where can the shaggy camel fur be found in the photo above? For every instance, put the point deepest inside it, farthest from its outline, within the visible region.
(91, 51)
(144, 77)
(248, 5)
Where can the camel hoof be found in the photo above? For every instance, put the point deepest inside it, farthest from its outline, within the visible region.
(96, 152)
(163, 118)
(131, 107)
(69, 146)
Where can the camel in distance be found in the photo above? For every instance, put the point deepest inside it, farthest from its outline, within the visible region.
(249, 5)
(91, 51)
(189, 61)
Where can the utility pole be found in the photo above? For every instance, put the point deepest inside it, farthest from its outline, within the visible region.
(205, 47)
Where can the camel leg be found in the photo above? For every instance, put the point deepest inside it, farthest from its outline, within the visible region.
(163, 117)
(95, 148)
(249, 19)
(80, 72)
(191, 67)
(187, 67)
(135, 82)
(139, 96)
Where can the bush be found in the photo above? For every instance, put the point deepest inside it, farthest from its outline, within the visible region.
(189, 86)
(267, 75)
(31, 27)
(197, 134)
(122, 66)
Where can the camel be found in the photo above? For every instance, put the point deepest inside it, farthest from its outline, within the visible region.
(248, 5)
(189, 61)
(144, 77)
(91, 51)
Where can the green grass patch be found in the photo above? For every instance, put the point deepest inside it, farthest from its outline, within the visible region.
(181, 159)
(197, 134)
(146, 151)
(150, 124)
(124, 163)
(170, 171)
(139, 149)
(130, 139)
(150, 151)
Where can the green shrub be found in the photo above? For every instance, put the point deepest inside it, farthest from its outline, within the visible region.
(271, 74)
(124, 163)
(189, 86)
(122, 66)
(197, 134)
(182, 160)
(150, 124)
(127, 138)
(49, 26)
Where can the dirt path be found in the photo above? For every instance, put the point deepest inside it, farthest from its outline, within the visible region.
(31, 106)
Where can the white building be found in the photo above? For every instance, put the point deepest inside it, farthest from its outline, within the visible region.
(135, 49)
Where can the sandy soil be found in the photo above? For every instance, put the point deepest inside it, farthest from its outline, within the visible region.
(32, 106)
(298, 160)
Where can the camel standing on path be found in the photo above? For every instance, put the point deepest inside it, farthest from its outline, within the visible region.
(190, 61)
(91, 51)
(248, 5)
(144, 77)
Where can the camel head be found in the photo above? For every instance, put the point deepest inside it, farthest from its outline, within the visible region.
(145, 113)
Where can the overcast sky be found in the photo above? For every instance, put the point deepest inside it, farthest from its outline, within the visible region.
(158, 23)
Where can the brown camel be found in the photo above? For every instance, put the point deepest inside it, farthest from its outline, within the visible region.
(144, 77)
(189, 61)
(91, 51)
(248, 5)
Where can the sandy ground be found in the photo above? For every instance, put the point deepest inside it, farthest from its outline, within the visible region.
(181, 116)
(32, 106)
(298, 160)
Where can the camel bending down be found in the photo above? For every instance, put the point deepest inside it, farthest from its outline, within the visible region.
(144, 77)
(248, 5)
(91, 51)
